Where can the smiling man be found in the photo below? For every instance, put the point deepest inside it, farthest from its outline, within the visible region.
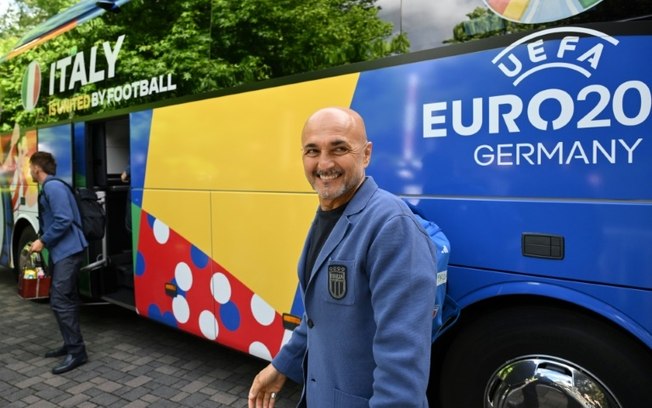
(367, 275)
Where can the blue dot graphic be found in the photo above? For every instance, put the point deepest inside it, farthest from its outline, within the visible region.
(180, 292)
(199, 258)
(140, 264)
(166, 318)
(150, 220)
(230, 316)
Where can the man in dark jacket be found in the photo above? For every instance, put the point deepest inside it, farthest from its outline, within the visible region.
(61, 233)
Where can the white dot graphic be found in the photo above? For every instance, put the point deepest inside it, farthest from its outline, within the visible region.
(161, 232)
(180, 309)
(262, 311)
(258, 349)
(221, 288)
(208, 325)
(286, 337)
(183, 276)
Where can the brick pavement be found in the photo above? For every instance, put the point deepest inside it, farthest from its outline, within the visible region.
(133, 362)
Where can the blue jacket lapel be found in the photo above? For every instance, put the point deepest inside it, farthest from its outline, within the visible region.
(357, 204)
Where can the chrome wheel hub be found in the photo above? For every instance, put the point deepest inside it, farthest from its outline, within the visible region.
(546, 382)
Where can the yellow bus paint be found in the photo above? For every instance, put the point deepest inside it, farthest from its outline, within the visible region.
(258, 237)
(241, 142)
(185, 212)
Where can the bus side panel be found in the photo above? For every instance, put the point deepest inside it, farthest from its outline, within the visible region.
(461, 126)
(58, 141)
(205, 293)
(172, 271)
(251, 143)
(241, 178)
(16, 190)
(603, 242)
(258, 238)
(626, 307)
(556, 147)
(140, 130)
(20, 195)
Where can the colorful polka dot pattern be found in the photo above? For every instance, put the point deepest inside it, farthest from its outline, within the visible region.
(179, 285)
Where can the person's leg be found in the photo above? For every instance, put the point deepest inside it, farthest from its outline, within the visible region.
(64, 301)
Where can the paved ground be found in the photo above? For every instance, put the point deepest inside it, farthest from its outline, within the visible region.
(133, 362)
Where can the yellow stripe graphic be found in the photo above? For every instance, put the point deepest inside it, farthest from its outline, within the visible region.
(515, 9)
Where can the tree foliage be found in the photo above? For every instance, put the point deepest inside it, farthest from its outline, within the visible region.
(23, 14)
(284, 37)
(206, 44)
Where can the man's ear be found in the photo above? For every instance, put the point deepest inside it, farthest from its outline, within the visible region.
(367, 153)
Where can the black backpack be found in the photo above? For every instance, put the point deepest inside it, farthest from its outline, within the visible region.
(93, 217)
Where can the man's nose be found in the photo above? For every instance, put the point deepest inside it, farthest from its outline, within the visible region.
(325, 161)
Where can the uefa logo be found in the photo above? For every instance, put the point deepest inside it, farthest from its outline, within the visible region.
(31, 88)
(580, 50)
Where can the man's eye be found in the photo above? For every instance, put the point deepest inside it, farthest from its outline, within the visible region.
(340, 151)
(311, 152)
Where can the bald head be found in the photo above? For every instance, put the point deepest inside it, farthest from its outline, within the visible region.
(337, 119)
(335, 154)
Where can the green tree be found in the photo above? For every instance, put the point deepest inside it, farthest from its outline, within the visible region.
(25, 14)
(206, 44)
(284, 37)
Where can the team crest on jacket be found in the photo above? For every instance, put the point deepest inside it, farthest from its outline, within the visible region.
(337, 281)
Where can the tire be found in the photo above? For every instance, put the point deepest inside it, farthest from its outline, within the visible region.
(26, 235)
(562, 338)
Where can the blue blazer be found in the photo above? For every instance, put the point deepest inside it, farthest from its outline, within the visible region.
(364, 340)
(58, 210)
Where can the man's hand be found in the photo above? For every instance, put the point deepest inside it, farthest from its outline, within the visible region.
(265, 387)
(37, 246)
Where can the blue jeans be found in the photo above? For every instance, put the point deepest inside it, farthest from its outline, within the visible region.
(64, 301)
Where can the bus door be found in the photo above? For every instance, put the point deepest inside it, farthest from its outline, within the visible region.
(108, 158)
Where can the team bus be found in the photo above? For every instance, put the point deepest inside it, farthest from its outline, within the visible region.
(531, 148)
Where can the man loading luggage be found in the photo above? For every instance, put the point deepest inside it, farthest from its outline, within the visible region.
(62, 236)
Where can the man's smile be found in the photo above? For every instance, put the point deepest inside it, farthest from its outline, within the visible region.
(328, 176)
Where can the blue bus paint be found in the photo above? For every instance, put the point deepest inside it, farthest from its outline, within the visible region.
(572, 160)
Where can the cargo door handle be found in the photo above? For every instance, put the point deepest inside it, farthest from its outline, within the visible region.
(542, 245)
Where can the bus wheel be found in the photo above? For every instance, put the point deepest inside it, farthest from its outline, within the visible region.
(26, 235)
(545, 357)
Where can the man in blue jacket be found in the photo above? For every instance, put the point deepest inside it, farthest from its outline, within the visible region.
(61, 234)
(367, 276)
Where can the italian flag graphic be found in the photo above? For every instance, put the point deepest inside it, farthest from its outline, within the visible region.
(31, 86)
